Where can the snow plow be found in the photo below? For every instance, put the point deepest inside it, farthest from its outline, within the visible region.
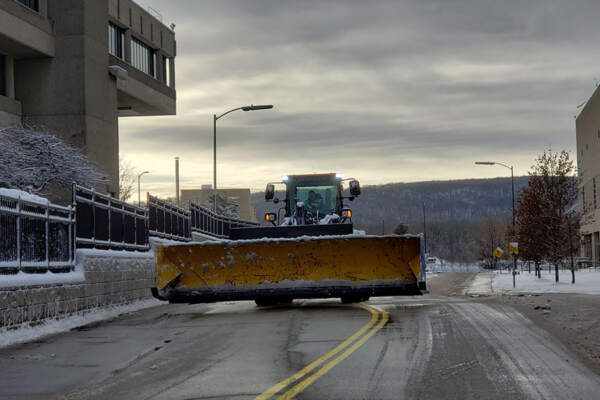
(314, 253)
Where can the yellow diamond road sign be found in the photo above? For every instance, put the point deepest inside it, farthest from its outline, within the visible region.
(513, 248)
(498, 252)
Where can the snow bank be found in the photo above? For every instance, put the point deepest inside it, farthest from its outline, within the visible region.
(31, 198)
(22, 279)
(586, 282)
(26, 333)
(80, 254)
(452, 267)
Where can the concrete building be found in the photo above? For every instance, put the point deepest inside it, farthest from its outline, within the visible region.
(588, 165)
(203, 197)
(76, 66)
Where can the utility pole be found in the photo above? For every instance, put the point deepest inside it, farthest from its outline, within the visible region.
(571, 253)
(424, 230)
(177, 180)
(139, 176)
(251, 107)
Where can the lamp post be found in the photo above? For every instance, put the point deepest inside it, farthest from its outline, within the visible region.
(512, 183)
(139, 176)
(215, 118)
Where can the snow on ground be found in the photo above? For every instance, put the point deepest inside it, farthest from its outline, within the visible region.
(586, 282)
(26, 333)
(15, 194)
(25, 279)
(481, 285)
(452, 267)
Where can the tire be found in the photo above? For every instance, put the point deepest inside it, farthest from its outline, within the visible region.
(271, 301)
(351, 299)
(263, 302)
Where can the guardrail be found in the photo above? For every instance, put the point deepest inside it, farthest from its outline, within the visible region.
(104, 222)
(168, 221)
(35, 235)
(206, 222)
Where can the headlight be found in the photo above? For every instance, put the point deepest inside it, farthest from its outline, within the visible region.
(270, 217)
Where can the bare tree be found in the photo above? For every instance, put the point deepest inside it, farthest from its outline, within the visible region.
(490, 237)
(127, 179)
(529, 226)
(33, 159)
(547, 214)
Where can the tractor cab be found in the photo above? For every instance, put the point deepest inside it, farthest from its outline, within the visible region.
(312, 199)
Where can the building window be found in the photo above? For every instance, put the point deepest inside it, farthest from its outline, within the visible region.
(116, 40)
(595, 201)
(167, 70)
(2, 75)
(33, 4)
(143, 57)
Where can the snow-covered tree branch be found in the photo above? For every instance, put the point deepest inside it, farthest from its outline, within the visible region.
(31, 158)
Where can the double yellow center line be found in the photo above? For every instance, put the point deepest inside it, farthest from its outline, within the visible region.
(330, 359)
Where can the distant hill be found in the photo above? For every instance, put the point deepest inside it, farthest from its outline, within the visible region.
(394, 203)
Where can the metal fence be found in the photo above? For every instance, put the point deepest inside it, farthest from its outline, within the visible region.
(104, 222)
(168, 221)
(35, 236)
(208, 223)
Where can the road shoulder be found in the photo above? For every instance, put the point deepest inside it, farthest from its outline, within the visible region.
(570, 318)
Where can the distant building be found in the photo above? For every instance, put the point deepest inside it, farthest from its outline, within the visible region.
(204, 197)
(75, 66)
(588, 165)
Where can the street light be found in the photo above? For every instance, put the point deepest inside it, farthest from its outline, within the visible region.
(139, 176)
(215, 118)
(512, 183)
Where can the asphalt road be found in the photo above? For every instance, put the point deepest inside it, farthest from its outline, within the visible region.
(428, 347)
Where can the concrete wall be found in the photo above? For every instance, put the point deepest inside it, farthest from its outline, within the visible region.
(61, 78)
(588, 165)
(107, 280)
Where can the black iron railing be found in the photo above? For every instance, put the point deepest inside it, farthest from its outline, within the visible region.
(206, 222)
(35, 235)
(168, 221)
(104, 222)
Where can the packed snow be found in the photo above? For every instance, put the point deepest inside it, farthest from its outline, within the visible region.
(28, 197)
(586, 282)
(22, 279)
(498, 282)
(26, 333)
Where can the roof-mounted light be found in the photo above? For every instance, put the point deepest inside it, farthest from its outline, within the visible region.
(285, 178)
(339, 176)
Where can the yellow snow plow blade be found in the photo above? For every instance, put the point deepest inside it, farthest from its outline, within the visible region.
(290, 268)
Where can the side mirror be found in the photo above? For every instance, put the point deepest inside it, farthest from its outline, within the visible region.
(354, 188)
(269, 192)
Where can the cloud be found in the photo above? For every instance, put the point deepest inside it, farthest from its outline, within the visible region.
(383, 90)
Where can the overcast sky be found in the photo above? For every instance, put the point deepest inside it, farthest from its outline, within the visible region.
(384, 91)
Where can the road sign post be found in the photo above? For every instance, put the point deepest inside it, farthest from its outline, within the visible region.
(513, 248)
(498, 252)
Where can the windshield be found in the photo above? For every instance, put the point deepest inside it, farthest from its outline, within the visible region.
(321, 199)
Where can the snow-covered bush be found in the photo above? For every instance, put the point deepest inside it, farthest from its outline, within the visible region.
(32, 158)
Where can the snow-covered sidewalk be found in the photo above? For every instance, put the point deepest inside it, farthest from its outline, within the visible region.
(487, 283)
(27, 333)
(586, 282)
